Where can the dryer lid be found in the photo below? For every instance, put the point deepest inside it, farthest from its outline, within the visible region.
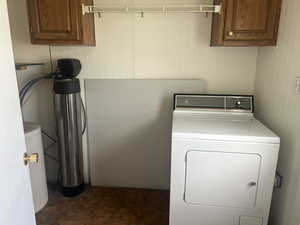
(221, 126)
(218, 117)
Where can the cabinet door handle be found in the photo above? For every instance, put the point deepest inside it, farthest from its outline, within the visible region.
(230, 33)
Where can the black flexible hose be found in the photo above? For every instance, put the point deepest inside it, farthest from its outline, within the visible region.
(32, 82)
(28, 86)
(84, 116)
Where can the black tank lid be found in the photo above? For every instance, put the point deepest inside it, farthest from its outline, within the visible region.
(68, 68)
(66, 86)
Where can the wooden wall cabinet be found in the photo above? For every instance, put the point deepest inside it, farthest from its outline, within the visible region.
(60, 22)
(246, 23)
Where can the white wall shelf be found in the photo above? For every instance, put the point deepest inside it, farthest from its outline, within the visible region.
(163, 8)
(23, 66)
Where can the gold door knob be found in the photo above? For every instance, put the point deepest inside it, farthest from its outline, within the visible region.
(230, 33)
(33, 158)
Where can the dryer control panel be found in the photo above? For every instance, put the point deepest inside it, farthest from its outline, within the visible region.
(219, 103)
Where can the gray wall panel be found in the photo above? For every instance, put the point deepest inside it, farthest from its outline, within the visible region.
(129, 130)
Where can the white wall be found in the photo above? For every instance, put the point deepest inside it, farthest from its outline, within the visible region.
(164, 47)
(131, 47)
(278, 106)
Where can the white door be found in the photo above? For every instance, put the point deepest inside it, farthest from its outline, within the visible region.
(221, 178)
(16, 204)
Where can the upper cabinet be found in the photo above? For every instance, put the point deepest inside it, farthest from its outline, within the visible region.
(60, 22)
(246, 23)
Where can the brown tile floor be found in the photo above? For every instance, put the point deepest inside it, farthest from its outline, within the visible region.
(107, 206)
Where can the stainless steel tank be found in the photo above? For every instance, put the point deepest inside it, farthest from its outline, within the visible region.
(67, 104)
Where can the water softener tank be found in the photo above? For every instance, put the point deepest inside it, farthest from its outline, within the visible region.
(67, 104)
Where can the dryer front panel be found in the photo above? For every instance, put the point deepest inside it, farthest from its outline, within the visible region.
(221, 182)
(222, 178)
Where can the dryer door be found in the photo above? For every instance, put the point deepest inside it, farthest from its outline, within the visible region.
(222, 178)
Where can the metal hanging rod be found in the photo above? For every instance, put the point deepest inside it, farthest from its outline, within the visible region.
(131, 8)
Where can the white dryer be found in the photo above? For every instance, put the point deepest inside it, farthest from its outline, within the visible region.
(223, 162)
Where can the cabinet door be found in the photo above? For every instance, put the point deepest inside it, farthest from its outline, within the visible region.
(251, 20)
(222, 179)
(56, 20)
(246, 23)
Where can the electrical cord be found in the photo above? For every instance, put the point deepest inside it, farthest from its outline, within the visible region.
(54, 142)
(50, 146)
(52, 157)
(51, 138)
(84, 116)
